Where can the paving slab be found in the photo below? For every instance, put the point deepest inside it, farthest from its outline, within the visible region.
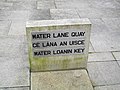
(116, 55)
(13, 15)
(24, 5)
(104, 73)
(5, 5)
(22, 88)
(17, 28)
(102, 38)
(40, 14)
(61, 80)
(46, 4)
(99, 13)
(110, 13)
(4, 27)
(104, 4)
(112, 23)
(12, 46)
(72, 4)
(104, 56)
(14, 72)
(118, 62)
(90, 13)
(18, 15)
(4, 14)
(64, 14)
(111, 87)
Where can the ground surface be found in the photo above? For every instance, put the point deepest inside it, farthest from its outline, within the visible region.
(104, 57)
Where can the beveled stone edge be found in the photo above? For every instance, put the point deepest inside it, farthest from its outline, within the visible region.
(61, 22)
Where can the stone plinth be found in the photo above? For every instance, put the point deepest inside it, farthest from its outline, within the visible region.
(58, 44)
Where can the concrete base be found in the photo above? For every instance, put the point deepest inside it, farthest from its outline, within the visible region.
(61, 80)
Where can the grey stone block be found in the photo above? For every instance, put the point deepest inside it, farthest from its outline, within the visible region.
(17, 28)
(104, 73)
(14, 72)
(106, 56)
(46, 4)
(4, 27)
(64, 14)
(22, 88)
(111, 87)
(116, 55)
(61, 80)
(43, 14)
(58, 61)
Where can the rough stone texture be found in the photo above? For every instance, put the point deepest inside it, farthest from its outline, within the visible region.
(4, 14)
(17, 28)
(106, 37)
(12, 46)
(100, 57)
(22, 88)
(2, 0)
(4, 27)
(104, 4)
(13, 15)
(64, 14)
(116, 55)
(14, 72)
(111, 87)
(58, 62)
(41, 14)
(72, 4)
(112, 23)
(46, 4)
(61, 80)
(104, 73)
(24, 5)
(18, 15)
(94, 13)
(5, 5)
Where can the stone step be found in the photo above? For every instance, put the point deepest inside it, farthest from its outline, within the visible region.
(61, 80)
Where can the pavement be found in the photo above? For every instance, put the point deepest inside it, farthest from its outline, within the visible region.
(104, 53)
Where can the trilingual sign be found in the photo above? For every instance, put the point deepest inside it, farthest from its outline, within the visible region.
(58, 44)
